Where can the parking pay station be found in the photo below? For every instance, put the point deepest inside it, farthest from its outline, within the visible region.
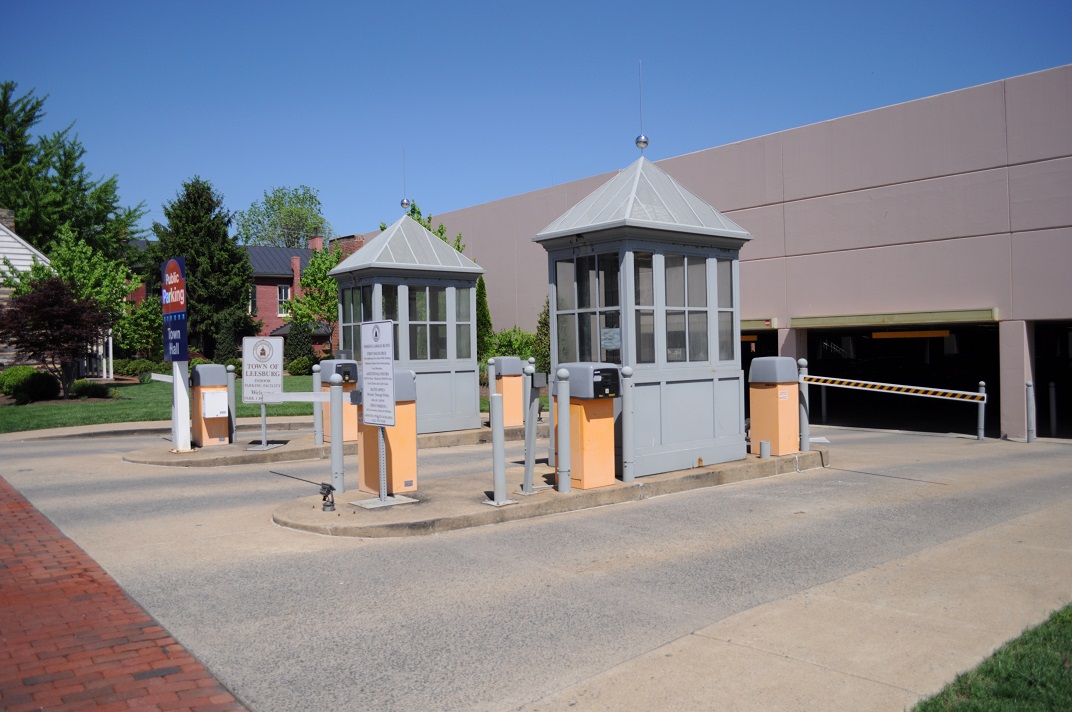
(593, 388)
(773, 393)
(400, 441)
(509, 384)
(210, 424)
(347, 368)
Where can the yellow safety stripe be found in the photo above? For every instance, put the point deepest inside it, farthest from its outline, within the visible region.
(894, 388)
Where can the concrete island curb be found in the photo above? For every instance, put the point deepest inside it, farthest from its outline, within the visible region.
(459, 503)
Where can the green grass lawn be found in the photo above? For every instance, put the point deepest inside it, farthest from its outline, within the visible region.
(136, 402)
(1032, 672)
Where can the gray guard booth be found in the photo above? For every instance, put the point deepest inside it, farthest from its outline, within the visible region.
(643, 273)
(409, 276)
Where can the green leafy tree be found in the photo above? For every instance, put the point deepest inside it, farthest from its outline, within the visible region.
(440, 232)
(45, 182)
(141, 331)
(319, 299)
(219, 276)
(298, 343)
(51, 325)
(542, 352)
(485, 330)
(285, 217)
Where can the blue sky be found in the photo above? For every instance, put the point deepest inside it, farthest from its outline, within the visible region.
(487, 100)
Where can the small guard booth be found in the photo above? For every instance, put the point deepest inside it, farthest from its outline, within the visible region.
(643, 273)
(409, 276)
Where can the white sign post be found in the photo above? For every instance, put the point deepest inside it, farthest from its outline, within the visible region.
(262, 377)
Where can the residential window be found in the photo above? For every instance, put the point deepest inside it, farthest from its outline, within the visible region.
(427, 323)
(588, 309)
(283, 297)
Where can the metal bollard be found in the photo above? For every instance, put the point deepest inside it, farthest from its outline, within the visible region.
(805, 427)
(822, 399)
(981, 425)
(628, 474)
(563, 421)
(336, 433)
(532, 413)
(498, 451)
(491, 379)
(1053, 409)
(231, 404)
(1030, 412)
(318, 409)
(764, 449)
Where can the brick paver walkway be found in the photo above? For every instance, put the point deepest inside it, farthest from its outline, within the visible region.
(71, 639)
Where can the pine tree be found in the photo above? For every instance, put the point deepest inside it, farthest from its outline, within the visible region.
(219, 276)
(485, 330)
(543, 339)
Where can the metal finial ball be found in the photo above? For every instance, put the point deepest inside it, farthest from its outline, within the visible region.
(641, 142)
(406, 203)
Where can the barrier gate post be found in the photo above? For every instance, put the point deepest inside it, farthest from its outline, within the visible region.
(232, 400)
(318, 412)
(336, 433)
(563, 423)
(805, 427)
(627, 425)
(981, 425)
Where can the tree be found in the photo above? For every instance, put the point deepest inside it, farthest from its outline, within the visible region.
(47, 185)
(319, 299)
(51, 325)
(543, 339)
(485, 330)
(219, 276)
(440, 232)
(299, 342)
(286, 217)
(141, 331)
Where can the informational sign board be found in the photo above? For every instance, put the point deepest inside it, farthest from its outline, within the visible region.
(262, 369)
(378, 373)
(173, 299)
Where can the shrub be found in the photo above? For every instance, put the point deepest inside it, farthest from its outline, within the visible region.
(40, 386)
(11, 377)
(513, 342)
(90, 389)
(237, 363)
(300, 366)
(299, 342)
(199, 361)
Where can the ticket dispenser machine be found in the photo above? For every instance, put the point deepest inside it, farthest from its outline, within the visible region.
(593, 388)
(347, 368)
(773, 397)
(400, 442)
(509, 384)
(209, 416)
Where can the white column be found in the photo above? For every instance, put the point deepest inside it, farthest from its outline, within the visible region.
(1015, 342)
(180, 412)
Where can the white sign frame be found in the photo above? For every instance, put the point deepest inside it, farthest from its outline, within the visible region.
(378, 373)
(262, 369)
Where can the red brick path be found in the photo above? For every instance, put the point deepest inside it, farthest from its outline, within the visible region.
(71, 639)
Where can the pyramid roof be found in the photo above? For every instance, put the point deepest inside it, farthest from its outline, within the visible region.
(407, 246)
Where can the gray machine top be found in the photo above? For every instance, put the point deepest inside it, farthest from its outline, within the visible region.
(773, 369)
(347, 368)
(405, 387)
(209, 374)
(507, 366)
(592, 380)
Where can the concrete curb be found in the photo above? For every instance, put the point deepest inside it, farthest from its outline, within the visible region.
(458, 503)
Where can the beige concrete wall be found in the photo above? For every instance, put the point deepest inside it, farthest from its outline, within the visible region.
(957, 201)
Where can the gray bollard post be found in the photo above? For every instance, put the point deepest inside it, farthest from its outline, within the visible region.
(498, 452)
(764, 449)
(232, 401)
(564, 484)
(336, 433)
(318, 409)
(981, 425)
(1053, 409)
(822, 398)
(628, 474)
(805, 426)
(1030, 412)
(532, 411)
(491, 385)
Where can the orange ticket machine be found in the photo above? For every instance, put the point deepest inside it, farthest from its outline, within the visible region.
(593, 388)
(509, 384)
(774, 401)
(210, 424)
(400, 442)
(347, 368)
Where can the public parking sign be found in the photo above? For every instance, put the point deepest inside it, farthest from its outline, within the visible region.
(262, 369)
(173, 301)
(378, 373)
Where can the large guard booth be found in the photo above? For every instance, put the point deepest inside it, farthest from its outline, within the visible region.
(644, 273)
(409, 276)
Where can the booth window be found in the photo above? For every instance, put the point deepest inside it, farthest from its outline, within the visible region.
(588, 309)
(427, 323)
(724, 277)
(464, 323)
(356, 308)
(686, 308)
(282, 297)
(644, 296)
